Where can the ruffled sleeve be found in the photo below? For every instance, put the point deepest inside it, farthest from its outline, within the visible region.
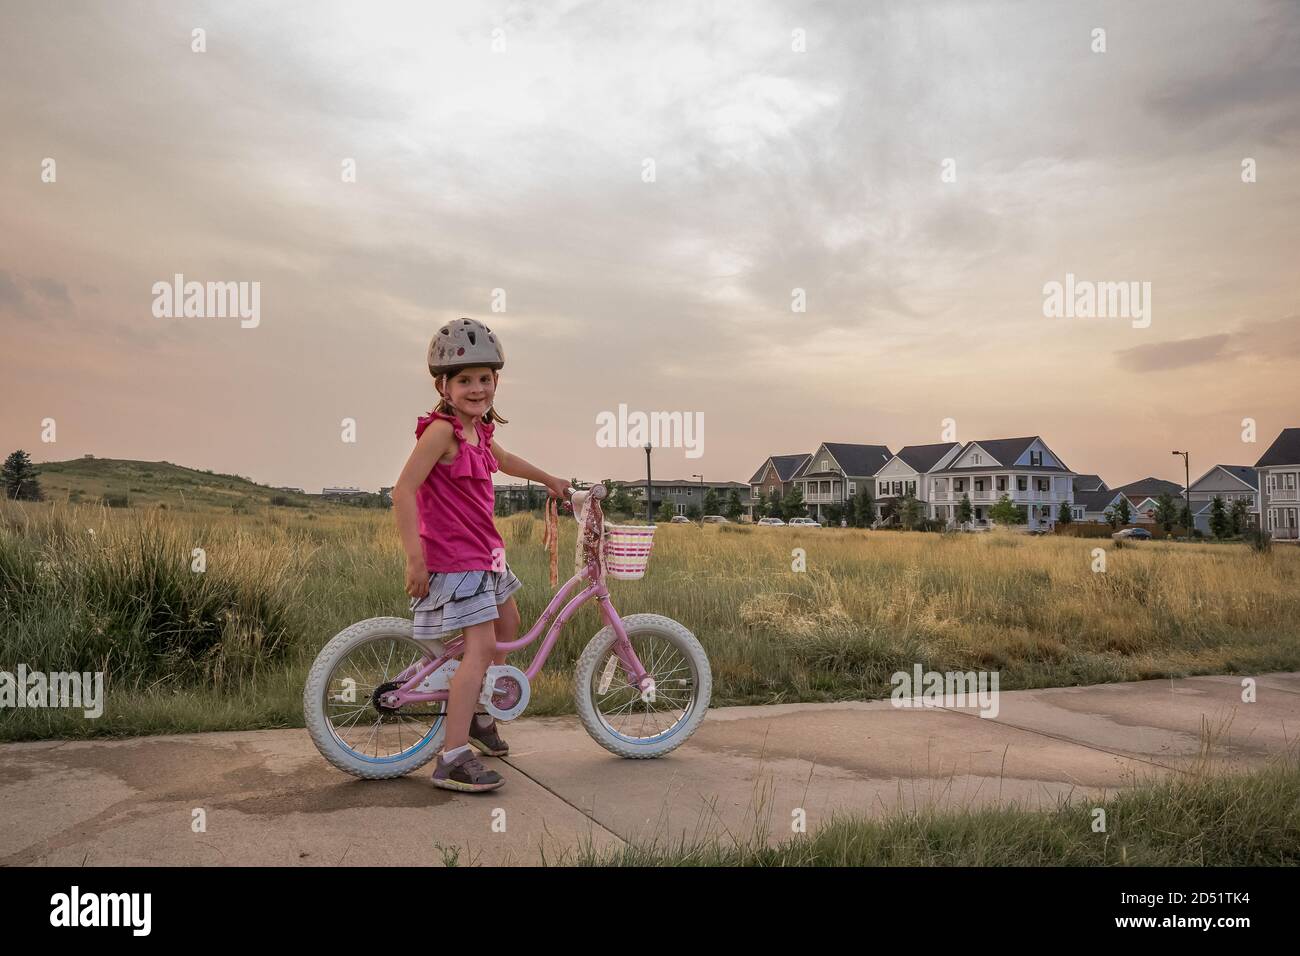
(471, 461)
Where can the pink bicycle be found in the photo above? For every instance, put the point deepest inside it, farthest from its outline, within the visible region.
(375, 700)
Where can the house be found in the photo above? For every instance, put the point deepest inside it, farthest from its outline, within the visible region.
(1089, 483)
(1091, 506)
(1279, 486)
(836, 472)
(1024, 469)
(774, 475)
(1144, 495)
(1232, 483)
(905, 474)
(513, 497)
(685, 492)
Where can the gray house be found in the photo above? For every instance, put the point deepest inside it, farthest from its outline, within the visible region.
(1232, 483)
(1279, 486)
(836, 472)
(683, 493)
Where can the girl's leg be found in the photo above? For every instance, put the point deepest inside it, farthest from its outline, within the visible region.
(468, 683)
(507, 627)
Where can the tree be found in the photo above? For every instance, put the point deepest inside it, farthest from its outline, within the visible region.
(734, 508)
(1166, 512)
(865, 508)
(712, 504)
(1239, 516)
(1220, 523)
(1112, 518)
(909, 511)
(666, 510)
(792, 506)
(1124, 513)
(693, 512)
(19, 476)
(1004, 511)
(833, 515)
(620, 501)
(1185, 518)
(964, 510)
(1064, 516)
(773, 507)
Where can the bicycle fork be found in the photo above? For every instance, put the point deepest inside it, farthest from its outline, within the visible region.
(638, 677)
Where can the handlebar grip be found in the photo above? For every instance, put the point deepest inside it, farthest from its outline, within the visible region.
(596, 491)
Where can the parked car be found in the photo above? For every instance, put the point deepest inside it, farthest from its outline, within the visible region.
(680, 519)
(805, 523)
(1140, 534)
(770, 521)
(715, 519)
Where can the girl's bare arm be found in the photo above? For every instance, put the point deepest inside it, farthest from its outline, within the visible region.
(516, 467)
(432, 445)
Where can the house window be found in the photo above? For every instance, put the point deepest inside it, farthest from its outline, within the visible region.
(979, 484)
(976, 460)
(824, 465)
(911, 487)
(959, 484)
(1288, 481)
(1002, 484)
(1022, 484)
(1036, 459)
(853, 487)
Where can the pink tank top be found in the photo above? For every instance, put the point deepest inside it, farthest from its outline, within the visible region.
(456, 503)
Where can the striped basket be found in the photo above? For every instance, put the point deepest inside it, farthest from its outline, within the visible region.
(627, 550)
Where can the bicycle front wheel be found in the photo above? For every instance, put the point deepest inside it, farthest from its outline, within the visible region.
(618, 715)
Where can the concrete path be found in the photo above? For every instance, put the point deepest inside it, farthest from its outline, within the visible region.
(269, 798)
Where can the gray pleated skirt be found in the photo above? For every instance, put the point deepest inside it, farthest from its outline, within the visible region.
(458, 599)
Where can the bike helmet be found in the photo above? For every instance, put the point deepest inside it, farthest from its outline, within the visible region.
(464, 343)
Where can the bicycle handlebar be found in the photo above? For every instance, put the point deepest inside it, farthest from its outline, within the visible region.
(596, 491)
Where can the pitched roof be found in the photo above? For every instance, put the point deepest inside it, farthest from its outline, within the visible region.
(1004, 452)
(854, 459)
(1285, 450)
(1088, 483)
(786, 466)
(1095, 500)
(1243, 473)
(921, 458)
(1150, 487)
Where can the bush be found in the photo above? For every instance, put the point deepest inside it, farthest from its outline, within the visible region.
(115, 501)
(1259, 540)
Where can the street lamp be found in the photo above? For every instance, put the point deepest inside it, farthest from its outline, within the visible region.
(649, 516)
(701, 477)
(1187, 489)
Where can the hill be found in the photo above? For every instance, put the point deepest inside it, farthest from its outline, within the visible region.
(124, 483)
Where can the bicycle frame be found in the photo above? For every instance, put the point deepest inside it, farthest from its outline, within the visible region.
(406, 693)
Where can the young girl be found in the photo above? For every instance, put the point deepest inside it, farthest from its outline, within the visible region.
(443, 503)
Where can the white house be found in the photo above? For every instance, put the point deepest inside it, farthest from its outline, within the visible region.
(906, 472)
(1023, 469)
(1279, 486)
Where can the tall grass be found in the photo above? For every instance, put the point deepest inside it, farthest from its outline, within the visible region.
(228, 648)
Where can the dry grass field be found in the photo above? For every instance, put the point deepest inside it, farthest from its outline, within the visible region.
(90, 588)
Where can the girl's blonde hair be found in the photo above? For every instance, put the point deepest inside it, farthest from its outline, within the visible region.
(490, 417)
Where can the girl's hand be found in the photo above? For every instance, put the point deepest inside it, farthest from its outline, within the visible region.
(417, 578)
(557, 486)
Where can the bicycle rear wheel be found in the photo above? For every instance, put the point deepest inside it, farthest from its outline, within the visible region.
(617, 715)
(340, 702)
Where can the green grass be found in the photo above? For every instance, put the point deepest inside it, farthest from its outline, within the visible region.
(1200, 819)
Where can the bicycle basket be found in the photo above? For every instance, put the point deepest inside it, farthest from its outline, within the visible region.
(627, 550)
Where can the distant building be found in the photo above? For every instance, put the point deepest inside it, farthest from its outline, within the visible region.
(295, 490)
(342, 494)
(1279, 485)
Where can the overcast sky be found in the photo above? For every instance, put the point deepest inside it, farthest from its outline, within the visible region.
(522, 169)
